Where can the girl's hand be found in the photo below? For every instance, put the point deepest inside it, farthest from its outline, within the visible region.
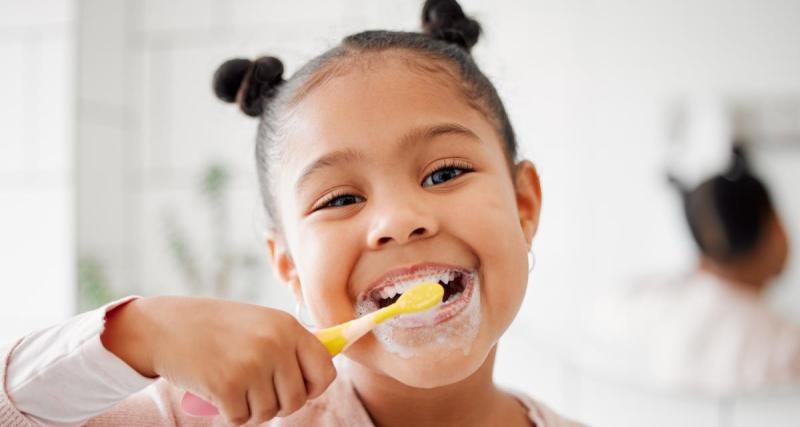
(253, 363)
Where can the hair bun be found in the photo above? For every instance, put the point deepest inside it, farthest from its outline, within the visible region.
(229, 77)
(268, 70)
(248, 83)
(445, 20)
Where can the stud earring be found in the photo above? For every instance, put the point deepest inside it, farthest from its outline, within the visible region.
(531, 260)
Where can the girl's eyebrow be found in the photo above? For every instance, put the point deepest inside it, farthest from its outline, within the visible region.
(413, 137)
(330, 159)
(427, 133)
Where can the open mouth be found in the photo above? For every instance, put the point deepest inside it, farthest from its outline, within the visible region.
(452, 281)
(457, 283)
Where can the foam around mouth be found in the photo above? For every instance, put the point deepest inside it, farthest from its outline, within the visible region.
(452, 324)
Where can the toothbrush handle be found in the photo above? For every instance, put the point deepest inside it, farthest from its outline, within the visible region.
(336, 339)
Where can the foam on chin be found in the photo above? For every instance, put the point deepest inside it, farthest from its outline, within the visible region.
(457, 332)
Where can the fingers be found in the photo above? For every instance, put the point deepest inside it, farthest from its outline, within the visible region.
(316, 365)
(263, 402)
(233, 406)
(290, 387)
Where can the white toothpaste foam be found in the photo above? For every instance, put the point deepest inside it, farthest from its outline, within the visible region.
(457, 332)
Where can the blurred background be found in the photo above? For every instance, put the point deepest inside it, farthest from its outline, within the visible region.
(120, 172)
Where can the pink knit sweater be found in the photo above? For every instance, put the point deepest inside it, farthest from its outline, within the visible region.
(159, 405)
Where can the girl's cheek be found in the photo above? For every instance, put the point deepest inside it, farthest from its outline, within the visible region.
(490, 211)
(327, 271)
(498, 216)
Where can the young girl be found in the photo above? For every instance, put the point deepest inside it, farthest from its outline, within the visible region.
(386, 161)
(722, 339)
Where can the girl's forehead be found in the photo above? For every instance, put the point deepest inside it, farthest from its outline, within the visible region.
(373, 106)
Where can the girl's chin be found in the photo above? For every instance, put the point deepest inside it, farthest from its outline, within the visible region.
(432, 365)
(431, 370)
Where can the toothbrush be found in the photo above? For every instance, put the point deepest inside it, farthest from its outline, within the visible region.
(337, 338)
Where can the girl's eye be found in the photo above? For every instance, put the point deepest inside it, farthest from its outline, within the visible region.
(444, 174)
(337, 201)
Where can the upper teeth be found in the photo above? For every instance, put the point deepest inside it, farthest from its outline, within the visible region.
(400, 287)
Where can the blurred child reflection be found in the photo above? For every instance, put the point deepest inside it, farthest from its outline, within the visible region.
(710, 330)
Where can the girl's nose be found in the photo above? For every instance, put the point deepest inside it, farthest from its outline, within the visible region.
(401, 225)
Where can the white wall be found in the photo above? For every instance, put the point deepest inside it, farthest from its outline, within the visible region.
(36, 139)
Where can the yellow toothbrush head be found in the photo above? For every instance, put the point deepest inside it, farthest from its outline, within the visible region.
(420, 298)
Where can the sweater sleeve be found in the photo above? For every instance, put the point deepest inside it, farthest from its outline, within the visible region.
(9, 415)
(63, 376)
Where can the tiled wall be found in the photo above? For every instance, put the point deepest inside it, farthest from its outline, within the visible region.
(36, 174)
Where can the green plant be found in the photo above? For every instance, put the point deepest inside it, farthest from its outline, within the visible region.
(218, 277)
(93, 285)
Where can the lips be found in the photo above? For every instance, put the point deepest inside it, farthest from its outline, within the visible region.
(458, 282)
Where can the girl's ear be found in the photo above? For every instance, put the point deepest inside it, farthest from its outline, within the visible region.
(529, 198)
(282, 264)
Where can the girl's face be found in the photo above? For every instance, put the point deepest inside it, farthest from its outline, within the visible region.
(389, 178)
